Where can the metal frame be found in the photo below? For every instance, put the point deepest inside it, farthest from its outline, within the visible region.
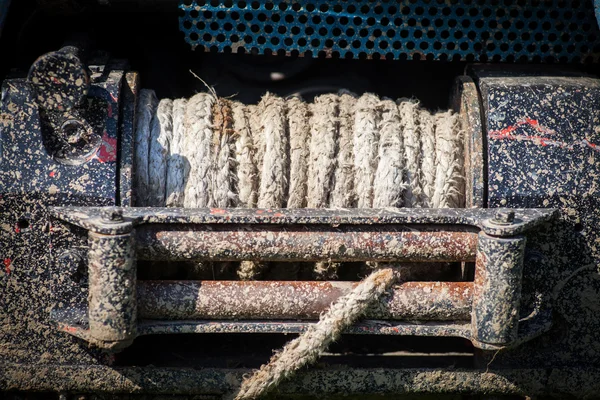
(117, 235)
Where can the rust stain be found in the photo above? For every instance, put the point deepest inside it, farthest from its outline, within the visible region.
(296, 300)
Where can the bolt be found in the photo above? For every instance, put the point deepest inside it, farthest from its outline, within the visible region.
(112, 215)
(504, 217)
(74, 131)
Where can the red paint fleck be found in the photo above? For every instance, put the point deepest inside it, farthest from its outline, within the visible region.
(507, 134)
(108, 150)
(7, 263)
(17, 229)
(114, 98)
(52, 174)
(55, 80)
(217, 211)
(110, 112)
(278, 214)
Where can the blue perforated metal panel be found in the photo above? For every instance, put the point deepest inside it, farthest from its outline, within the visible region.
(473, 30)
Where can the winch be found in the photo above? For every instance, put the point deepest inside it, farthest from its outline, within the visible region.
(366, 199)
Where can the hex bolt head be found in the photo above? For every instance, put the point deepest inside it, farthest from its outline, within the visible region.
(73, 131)
(113, 215)
(504, 217)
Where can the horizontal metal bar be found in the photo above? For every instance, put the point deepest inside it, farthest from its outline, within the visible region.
(293, 300)
(91, 217)
(306, 243)
(74, 322)
(364, 327)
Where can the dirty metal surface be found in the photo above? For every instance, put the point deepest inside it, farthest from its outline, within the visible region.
(130, 89)
(60, 80)
(321, 382)
(224, 300)
(90, 218)
(497, 289)
(542, 137)
(112, 307)
(75, 322)
(228, 241)
(39, 270)
(44, 263)
(306, 243)
(465, 101)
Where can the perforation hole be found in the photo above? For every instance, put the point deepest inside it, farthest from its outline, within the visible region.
(481, 30)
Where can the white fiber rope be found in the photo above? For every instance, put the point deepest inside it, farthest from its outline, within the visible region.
(428, 160)
(299, 131)
(448, 192)
(247, 178)
(366, 138)
(340, 151)
(412, 152)
(176, 163)
(389, 184)
(342, 194)
(197, 145)
(224, 179)
(275, 172)
(307, 348)
(323, 147)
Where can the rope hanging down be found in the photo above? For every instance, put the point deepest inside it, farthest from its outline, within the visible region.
(307, 348)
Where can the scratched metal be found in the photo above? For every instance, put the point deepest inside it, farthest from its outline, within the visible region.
(306, 243)
(218, 300)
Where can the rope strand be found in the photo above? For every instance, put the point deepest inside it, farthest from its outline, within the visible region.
(307, 348)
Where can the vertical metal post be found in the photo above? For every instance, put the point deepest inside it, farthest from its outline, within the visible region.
(498, 278)
(112, 293)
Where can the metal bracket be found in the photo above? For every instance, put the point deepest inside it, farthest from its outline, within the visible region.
(485, 311)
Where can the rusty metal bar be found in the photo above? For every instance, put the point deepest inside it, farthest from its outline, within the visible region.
(402, 243)
(293, 300)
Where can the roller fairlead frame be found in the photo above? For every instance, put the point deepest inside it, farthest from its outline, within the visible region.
(493, 239)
